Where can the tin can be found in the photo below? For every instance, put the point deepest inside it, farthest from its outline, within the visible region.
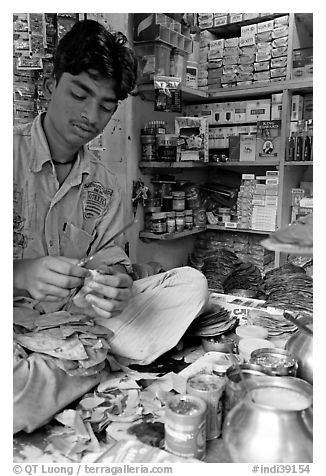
(159, 223)
(178, 201)
(148, 147)
(185, 426)
(167, 147)
(210, 389)
(200, 218)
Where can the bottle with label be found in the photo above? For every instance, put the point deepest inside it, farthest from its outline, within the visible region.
(306, 143)
(290, 151)
(299, 143)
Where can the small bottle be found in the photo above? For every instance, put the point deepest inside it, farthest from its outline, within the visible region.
(299, 143)
(306, 144)
(290, 152)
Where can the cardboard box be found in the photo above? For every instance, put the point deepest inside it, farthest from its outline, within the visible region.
(249, 30)
(296, 195)
(247, 40)
(247, 148)
(231, 42)
(258, 110)
(193, 138)
(228, 113)
(236, 17)
(216, 44)
(265, 26)
(296, 107)
(268, 139)
(219, 21)
(240, 111)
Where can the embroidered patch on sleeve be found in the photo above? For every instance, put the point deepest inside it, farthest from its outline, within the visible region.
(96, 200)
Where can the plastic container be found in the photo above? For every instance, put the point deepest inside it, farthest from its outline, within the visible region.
(153, 58)
(178, 65)
(248, 345)
(251, 331)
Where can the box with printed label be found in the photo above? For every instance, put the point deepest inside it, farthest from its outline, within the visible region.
(258, 110)
(193, 138)
(265, 26)
(240, 111)
(278, 72)
(215, 53)
(296, 107)
(247, 148)
(231, 42)
(247, 40)
(228, 113)
(216, 44)
(249, 30)
(283, 20)
(262, 75)
(218, 111)
(219, 21)
(236, 17)
(268, 139)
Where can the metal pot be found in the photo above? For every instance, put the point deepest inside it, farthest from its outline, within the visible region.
(273, 424)
(300, 345)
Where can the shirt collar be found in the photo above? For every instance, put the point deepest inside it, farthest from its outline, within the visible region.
(40, 152)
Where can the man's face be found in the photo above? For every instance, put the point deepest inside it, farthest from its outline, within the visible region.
(80, 108)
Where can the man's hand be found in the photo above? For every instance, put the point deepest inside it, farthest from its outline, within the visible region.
(48, 278)
(109, 291)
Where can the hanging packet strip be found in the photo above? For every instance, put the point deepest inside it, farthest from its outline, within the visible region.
(167, 94)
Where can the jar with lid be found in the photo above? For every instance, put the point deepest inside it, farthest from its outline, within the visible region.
(167, 203)
(170, 222)
(180, 221)
(167, 147)
(178, 201)
(159, 223)
(189, 219)
(148, 150)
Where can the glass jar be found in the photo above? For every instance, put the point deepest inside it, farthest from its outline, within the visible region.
(180, 221)
(159, 223)
(178, 201)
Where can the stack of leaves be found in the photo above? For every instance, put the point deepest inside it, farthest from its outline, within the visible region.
(214, 322)
(289, 290)
(276, 324)
(298, 233)
(243, 276)
(72, 341)
(217, 266)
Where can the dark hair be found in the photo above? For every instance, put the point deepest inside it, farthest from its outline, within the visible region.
(88, 45)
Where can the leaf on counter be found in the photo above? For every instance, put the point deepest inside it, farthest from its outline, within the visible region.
(25, 317)
(91, 402)
(69, 348)
(95, 357)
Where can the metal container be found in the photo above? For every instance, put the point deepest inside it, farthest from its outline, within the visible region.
(301, 346)
(277, 361)
(273, 424)
(210, 388)
(234, 390)
(185, 426)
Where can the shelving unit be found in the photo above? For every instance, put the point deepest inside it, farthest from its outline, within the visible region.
(170, 236)
(290, 173)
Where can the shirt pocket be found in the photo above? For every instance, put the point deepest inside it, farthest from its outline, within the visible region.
(75, 242)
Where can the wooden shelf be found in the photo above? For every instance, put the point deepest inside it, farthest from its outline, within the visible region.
(201, 165)
(257, 90)
(170, 236)
(232, 29)
(237, 230)
(192, 96)
(298, 163)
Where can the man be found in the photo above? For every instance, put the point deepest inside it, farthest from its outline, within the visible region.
(66, 205)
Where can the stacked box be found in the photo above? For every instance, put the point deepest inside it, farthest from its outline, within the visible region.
(276, 110)
(265, 202)
(244, 201)
(268, 139)
(192, 138)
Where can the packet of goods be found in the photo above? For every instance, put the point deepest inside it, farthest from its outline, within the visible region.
(247, 40)
(231, 60)
(248, 50)
(279, 42)
(247, 59)
(262, 66)
(215, 54)
(245, 76)
(264, 46)
(245, 68)
(231, 68)
(262, 75)
(232, 51)
(284, 20)
(282, 51)
(229, 78)
(263, 56)
(276, 72)
(281, 31)
(244, 83)
(217, 63)
(280, 62)
(230, 42)
(264, 36)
